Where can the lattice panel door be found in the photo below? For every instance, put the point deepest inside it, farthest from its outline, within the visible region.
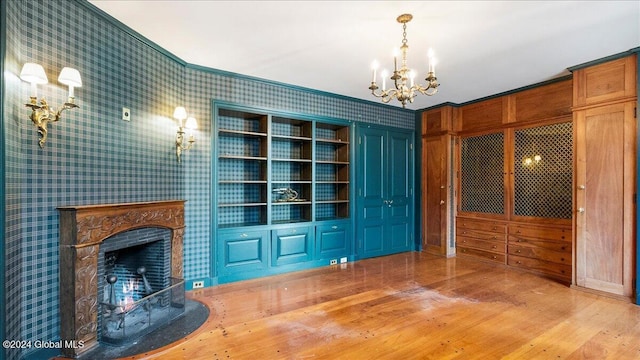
(543, 171)
(482, 173)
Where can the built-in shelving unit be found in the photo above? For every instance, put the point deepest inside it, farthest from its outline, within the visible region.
(282, 192)
(332, 171)
(242, 168)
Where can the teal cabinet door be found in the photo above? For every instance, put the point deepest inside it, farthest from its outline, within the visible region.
(384, 181)
(241, 251)
(333, 240)
(399, 194)
(291, 245)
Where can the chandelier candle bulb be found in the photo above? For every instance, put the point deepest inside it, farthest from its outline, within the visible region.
(404, 88)
(374, 66)
(385, 73)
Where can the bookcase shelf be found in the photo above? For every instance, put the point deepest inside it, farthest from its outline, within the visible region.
(276, 170)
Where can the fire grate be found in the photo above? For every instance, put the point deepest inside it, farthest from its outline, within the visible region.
(126, 319)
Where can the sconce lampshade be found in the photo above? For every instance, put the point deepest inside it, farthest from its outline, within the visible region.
(33, 73)
(70, 77)
(180, 113)
(191, 123)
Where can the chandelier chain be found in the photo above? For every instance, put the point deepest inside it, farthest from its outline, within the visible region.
(404, 34)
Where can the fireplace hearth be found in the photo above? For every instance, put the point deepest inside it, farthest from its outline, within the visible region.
(93, 240)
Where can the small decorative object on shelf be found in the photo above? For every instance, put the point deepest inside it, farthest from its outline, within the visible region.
(286, 194)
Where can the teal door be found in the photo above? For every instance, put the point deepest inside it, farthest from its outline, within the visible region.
(384, 184)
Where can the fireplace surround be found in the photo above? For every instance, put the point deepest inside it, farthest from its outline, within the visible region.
(82, 231)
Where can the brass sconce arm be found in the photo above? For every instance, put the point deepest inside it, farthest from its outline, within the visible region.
(180, 142)
(42, 115)
(184, 120)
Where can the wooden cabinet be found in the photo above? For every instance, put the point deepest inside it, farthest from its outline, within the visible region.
(437, 183)
(483, 239)
(605, 178)
(541, 249)
(514, 180)
(604, 117)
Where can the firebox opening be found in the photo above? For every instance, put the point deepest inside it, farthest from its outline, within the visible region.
(136, 293)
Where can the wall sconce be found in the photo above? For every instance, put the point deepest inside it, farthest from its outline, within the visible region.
(181, 143)
(41, 114)
(532, 161)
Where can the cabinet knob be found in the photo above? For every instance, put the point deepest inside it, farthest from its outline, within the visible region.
(517, 251)
(494, 257)
(441, 202)
(441, 186)
(494, 247)
(519, 262)
(581, 210)
(581, 187)
(244, 235)
(334, 227)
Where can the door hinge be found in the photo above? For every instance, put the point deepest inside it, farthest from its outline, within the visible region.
(359, 140)
(410, 146)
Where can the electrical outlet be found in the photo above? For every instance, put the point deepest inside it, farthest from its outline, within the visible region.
(126, 114)
(343, 260)
(333, 261)
(198, 284)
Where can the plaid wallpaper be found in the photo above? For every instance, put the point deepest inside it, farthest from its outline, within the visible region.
(94, 157)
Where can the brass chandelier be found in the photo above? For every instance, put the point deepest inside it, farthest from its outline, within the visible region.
(405, 89)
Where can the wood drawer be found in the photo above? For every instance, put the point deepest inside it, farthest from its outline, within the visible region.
(482, 225)
(540, 232)
(489, 245)
(560, 246)
(540, 253)
(484, 235)
(562, 271)
(485, 255)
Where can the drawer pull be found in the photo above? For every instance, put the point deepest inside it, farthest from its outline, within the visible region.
(519, 262)
(494, 247)
(334, 227)
(495, 228)
(494, 257)
(517, 251)
(464, 241)
(244, 235)
(495, 238)
(517, 231)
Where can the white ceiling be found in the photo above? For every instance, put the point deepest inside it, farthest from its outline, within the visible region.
(482, 47)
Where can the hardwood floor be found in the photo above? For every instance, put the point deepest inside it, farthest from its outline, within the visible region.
(408, 306)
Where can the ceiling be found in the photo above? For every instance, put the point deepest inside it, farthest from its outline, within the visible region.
(482, 47)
